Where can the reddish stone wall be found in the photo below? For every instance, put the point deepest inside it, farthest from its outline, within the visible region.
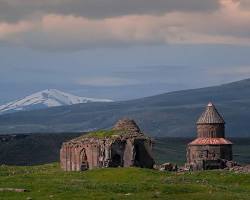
(129, 154)
(211, 130)
(91, 152)
(74, 157)
(105, 153)
(197, 154)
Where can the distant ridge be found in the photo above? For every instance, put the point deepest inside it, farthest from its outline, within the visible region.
(46, 99)
(171, 114)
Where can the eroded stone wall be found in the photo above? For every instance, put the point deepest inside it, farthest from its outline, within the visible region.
(78, 157)
(128, 125)
(197, 155)
(106, 153)
(129, 154)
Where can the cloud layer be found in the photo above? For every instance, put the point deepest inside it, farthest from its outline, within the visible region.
(15, 10)
(74, 25)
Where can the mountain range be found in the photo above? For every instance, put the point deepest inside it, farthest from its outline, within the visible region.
(46, 99)
(171, 114)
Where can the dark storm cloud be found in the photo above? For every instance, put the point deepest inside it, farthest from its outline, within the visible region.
(15, 10)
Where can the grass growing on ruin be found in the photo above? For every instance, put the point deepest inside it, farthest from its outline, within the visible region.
(49, 182)
(103, 133)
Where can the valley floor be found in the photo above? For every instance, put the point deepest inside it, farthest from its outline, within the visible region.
(50, 182)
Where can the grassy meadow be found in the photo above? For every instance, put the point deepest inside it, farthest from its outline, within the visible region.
(50, 182)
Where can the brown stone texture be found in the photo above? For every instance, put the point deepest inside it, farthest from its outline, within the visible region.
(131, 148)
(211, 130)
(210, 148)
(127, 124)
(208, 156)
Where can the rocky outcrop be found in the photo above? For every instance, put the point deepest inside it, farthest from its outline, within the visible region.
(170, 167)
(240, 169)
(12, 190)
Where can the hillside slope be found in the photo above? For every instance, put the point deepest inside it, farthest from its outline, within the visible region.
(32, 149)
(170, 114)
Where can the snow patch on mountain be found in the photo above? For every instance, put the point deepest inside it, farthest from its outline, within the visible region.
(46, 99)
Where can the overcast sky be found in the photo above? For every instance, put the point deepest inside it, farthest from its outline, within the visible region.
(121, 49)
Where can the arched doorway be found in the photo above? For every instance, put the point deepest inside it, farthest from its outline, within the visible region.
(116, 160)
(83, 161)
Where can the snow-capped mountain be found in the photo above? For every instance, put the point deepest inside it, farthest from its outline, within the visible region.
(45, 99)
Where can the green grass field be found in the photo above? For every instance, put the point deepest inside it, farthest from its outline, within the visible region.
(49, 182)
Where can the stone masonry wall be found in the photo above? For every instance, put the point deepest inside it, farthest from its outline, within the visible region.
(106, 153)
(197, 154)
(211, 130)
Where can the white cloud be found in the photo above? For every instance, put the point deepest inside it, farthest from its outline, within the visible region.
(228, 25)
(16, 10)
(9, 31)
(106, 81)
(232, 71)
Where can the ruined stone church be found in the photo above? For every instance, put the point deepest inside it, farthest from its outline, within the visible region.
(210, 147)
(123, 146)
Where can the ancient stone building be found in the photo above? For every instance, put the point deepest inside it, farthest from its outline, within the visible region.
(123, 146)
(210, 147)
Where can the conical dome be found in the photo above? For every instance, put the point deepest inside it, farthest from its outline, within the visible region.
(210, 116)
(127, 124)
